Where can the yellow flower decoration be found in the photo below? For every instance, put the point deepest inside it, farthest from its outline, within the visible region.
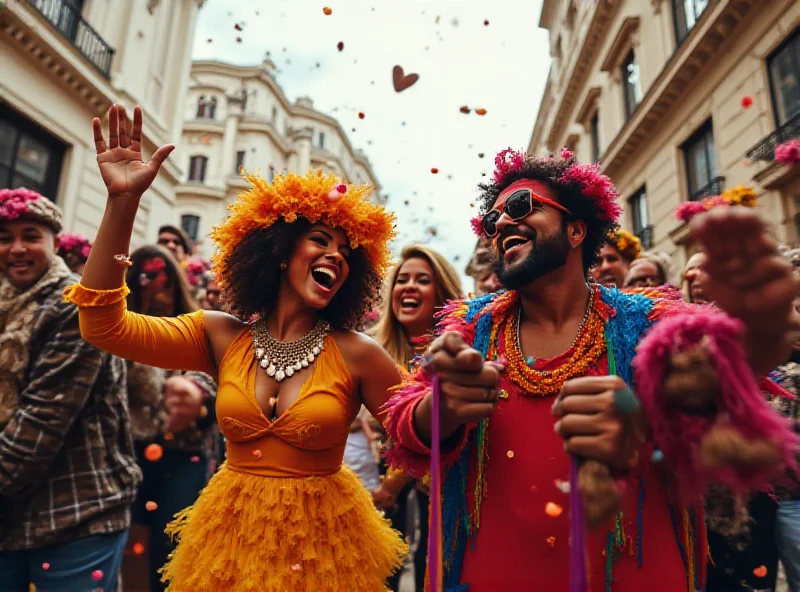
(740, 196)
(627, 244)
(288, 196)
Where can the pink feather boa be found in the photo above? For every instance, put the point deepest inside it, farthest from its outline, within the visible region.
(740, 402)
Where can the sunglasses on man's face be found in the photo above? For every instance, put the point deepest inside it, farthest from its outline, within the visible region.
(518, 205)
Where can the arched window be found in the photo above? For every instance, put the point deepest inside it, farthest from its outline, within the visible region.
(212, 108)
(201, 107)
(197, 168)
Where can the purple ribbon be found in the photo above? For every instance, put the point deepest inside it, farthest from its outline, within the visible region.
(578, 581)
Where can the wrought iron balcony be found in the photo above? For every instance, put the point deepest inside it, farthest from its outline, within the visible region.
(765, 149)
(69, 22)
(646, 236)
(714, 187)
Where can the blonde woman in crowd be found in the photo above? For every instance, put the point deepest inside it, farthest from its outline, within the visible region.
(421, 283)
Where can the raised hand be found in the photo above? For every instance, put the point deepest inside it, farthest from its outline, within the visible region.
(121, 166)
(748, 278)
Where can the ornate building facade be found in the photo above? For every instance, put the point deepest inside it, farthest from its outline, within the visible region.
(65, 62)
(677, 99)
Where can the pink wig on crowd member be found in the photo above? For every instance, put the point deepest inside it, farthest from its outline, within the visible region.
(706, 409)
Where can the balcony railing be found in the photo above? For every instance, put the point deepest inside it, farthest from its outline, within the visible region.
(714, 187)
(646, 236)
(69, 22)
(765, 149)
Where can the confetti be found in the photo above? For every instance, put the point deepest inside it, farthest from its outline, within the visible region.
(480, 155)
(151, 506)
(401, 80)
(237, 26)
(340, 45)
(169, 436)
(153, 452)
(256, 453)
(361, 115)
(434, 170)
(465, 109)
(747, 102)
(486, 23)
(45, 566)
(209, 40)
(438, 18)
(502, 394)
(551, 541)
(562, 486)
(297, 567)
(480, 111)
(97, 575)
(553, 510)
(510, 454)
(138, 548)
(327, 11)
(195, 458)
(238, 40)
(760, 571)
(657, 456)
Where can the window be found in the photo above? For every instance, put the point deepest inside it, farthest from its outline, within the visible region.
(212, 108)
(191, 225)
(701, 163)
(29, 156)
(784, 79)
(321, 140)
(274, 119)
(686, 13)
(594, 126)
(201, 107)
(197, 168)
(639, 217)
(630, 84)
(239, 161)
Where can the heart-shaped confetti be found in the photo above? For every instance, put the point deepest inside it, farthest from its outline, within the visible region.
(760, 571)
(401, 80)
(45, 566)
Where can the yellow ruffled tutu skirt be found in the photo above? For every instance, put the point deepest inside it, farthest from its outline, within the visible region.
(248, 533)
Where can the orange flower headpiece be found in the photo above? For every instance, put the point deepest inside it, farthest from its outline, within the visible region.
(628, 245)
(316, 197)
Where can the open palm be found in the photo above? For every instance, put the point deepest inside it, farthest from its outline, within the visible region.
(121, 166)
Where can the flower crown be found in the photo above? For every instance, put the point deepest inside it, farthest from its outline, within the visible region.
(317, 198)
(76, 245)
(738, 196)
(28, 205)
(593, 184)
(628, 245)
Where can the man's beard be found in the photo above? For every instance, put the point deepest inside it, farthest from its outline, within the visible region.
(547, 254)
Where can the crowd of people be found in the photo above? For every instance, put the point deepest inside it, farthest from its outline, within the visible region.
(264, 421)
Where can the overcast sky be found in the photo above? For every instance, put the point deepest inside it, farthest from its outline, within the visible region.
(500, 67)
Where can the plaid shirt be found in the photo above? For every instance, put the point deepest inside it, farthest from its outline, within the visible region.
(67, 465)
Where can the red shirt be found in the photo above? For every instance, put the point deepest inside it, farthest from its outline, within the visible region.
(520, 547)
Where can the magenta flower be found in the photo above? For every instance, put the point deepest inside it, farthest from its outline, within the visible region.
(506, 161)
(14, 202)
(788, 153)
(688, 210)
(597, 186)
(477, 226)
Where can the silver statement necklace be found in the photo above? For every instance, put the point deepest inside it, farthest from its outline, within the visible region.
(281, 359)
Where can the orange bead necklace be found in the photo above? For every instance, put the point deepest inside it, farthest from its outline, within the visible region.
(587, 348)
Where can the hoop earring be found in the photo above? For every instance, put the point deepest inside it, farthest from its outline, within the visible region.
(283, 264)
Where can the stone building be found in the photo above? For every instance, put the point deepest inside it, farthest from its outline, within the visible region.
(678, 99)
(65, 62)
(238, 117)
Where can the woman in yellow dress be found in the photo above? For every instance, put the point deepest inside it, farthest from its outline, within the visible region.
(299, 261)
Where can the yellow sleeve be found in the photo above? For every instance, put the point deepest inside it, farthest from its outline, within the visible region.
(173, 343)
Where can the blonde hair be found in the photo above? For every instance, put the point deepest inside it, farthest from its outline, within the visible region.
(447, 286)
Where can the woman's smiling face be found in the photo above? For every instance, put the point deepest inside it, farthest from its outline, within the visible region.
(319, 265)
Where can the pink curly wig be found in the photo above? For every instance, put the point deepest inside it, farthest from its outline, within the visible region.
(740, 402)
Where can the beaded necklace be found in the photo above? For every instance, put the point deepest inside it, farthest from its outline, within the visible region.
(587, 348)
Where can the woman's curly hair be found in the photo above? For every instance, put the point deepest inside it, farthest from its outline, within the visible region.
(255, 276)
(571, 194)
